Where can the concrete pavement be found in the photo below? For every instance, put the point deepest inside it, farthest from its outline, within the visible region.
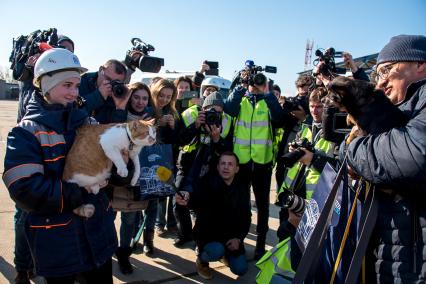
(168, 264)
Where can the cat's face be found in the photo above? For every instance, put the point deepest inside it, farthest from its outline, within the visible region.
(143, 132)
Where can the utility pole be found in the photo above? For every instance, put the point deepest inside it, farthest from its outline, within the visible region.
(308, 54)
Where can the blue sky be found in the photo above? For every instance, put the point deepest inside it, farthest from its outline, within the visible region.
(186, 32)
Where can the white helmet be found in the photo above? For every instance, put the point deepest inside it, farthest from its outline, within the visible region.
(56, 59)
(210, 81)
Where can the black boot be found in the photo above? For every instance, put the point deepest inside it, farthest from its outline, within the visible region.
(259, 251)
(22, 277)
(148, 242)
(123, 254)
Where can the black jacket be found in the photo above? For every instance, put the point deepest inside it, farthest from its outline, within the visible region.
(223, 212)
(396, 160)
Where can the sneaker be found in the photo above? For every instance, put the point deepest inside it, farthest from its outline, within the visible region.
(225, 261)
(204, 270)
(161, 232)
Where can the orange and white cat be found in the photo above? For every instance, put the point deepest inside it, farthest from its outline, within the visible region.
(98, 146)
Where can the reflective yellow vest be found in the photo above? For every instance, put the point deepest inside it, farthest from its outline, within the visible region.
(253, 133)
(189, 116)
(312, 175)
(275, 261)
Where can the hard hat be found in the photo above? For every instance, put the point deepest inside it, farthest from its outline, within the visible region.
(56, 59)
(210, 81)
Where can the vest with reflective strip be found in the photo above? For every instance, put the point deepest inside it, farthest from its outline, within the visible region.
(47, 139)
(312, 175)
(253, 133)
(276, 261)
(190, 115)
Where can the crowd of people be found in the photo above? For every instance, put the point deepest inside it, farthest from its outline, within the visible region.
(222, 146)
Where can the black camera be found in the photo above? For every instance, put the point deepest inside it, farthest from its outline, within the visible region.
(329, 66)
(293, 103)
(25, 47)
(145, 63)
(119, 89)
(292, 202)
(251, 75)
(291, 158)
(212, 117)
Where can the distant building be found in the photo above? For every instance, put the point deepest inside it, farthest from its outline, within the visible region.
(8, 91)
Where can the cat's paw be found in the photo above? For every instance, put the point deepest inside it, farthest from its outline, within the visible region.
(123, 172)
(134, 180)
(85, 210)
(94, 189)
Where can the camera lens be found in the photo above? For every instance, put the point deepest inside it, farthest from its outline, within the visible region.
(118, 89)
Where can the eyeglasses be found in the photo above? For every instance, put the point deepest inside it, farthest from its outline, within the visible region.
(383, 72)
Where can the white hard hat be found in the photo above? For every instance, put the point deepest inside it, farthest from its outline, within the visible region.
(56, 59)
(210, 81)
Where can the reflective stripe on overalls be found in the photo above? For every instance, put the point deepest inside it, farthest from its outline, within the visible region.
(253, 133)
(46, 138)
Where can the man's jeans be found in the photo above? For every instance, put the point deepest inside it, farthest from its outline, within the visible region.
(214, 251)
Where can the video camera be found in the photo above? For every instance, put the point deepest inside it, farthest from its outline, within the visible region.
(291, 158)
(26, 46)
(145, 63)
(329, 66)
(251, 75)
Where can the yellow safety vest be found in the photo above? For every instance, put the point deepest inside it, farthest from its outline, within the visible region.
(312, 175)
(253, 133)
(275, 261)
(189, 116)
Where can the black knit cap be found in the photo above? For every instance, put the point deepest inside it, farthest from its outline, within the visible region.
(62, 38)
(213, 99)
(404, 48)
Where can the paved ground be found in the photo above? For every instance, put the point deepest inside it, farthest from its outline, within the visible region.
(169, 264)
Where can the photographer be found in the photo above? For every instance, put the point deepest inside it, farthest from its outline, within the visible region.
(306, 159)
(298, 106)
(183, 84)
(395, 163)
(104, 94)
(253, 141)
(206, 133)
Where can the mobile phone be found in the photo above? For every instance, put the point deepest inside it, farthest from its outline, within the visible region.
(212, 64)
(187, 95)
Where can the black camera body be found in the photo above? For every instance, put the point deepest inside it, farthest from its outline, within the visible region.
(25, 47)
(293, 103)
(119, 89)
(252, 75)
(212, 117)
(329, 66)
(145, 63)
(289, 159)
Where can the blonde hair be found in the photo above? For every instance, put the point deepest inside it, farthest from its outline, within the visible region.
(155, 91)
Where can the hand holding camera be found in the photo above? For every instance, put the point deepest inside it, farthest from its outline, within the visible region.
(297, 150)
